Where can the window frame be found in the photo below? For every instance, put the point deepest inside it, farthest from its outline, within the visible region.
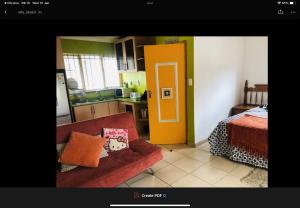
(81, 71)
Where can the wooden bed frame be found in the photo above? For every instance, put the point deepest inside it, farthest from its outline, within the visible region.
(258, 88)
(255, 98)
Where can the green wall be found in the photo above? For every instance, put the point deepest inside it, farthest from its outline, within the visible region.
(135, 80)
(87, 47)
(190, 74)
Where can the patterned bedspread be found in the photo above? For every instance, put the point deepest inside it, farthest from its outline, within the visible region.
(219, 145)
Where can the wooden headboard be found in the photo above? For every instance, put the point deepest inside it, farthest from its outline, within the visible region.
(255, 95)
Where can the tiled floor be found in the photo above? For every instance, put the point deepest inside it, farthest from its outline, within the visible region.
(185, 166)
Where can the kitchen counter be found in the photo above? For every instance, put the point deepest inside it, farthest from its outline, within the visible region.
(109, 100)
(132, 100)
(111, 106)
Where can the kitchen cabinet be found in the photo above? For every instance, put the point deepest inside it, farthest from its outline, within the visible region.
(125, 54)
(127, 107)
(120, 56)
(101, 110)
(113, 107)
(142, 123)
(122, 107)
(83, 113)
(130, 52)
(97, 110)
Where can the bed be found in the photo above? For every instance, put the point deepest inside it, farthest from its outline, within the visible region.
(255, 152)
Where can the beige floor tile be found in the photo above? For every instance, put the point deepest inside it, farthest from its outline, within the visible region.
(209, 174)
(174, 146)
(161, 146)
(241, 170)
(202, 156)
(190, 181)
(136, 178)
(159, 165)
(230, 181)
(149, 181)
(222, 164)
(187, 164)
(171, 156)
(205, 146)
(123, 185)
(170, 174)
(186, 150)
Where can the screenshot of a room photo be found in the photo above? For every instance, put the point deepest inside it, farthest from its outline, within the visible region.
(149, 109)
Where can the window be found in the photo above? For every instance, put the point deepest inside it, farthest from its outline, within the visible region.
(92, 72)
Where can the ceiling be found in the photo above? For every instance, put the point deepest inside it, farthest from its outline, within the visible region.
(105, 39)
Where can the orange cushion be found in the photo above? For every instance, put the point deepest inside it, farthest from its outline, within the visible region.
(82, 149)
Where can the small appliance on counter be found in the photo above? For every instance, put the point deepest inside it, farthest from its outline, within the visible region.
(123, 92)
(135, 95)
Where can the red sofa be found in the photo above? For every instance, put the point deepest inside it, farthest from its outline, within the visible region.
(119, 166)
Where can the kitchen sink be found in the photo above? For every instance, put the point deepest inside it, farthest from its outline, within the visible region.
(95, 100)
(112, 98)
(87, 101)
(91, 101)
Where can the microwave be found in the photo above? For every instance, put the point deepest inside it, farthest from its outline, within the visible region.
(123, 92)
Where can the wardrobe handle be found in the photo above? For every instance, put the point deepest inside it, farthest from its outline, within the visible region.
(149, 92)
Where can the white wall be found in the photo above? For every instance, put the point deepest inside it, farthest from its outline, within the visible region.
(218, 71)
(256, 60)
(221, 66)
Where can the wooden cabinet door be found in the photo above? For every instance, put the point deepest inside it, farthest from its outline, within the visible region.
(83, 113)
(122, 107)
(130, 54)
(101, 110)
(113, 107)
(120, 56)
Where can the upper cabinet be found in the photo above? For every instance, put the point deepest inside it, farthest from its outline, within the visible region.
(119, 56)
(130, 52)
(59, 54)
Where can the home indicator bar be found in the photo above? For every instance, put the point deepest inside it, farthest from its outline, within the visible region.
(150, 205)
